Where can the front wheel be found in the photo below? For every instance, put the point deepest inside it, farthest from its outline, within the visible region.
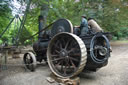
(30, 61)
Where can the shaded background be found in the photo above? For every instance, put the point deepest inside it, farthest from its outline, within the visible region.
(111, 15)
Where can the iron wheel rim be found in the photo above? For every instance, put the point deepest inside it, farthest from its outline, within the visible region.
(65, 54)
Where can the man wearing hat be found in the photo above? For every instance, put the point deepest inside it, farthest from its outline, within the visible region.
(84, 25)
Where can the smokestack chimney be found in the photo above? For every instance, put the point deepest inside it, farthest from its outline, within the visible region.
(41, 26)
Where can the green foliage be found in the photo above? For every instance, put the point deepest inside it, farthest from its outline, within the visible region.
(118, 19)
(5, 13)
(111, 15)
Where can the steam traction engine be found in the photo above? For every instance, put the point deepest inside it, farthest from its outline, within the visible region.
(68, 53)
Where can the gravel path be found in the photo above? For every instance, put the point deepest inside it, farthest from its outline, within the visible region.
(115, 73)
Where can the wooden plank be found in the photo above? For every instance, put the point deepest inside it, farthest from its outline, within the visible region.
(66, 81)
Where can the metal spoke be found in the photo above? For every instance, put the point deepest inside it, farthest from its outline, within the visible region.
(63, 41)
(54, 55)
(59, 62)
(74, 59)
(62, 66)
(31, 60)
(57, 51)
(68, 62)
(65, 69)
(58, 59)
(75, 54)
(27, 60)
(58, 44)
(73, 44)
(73, 64)
(67, 44)
(71, 50)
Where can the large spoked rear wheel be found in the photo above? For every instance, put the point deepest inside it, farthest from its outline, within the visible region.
(30, 61)
(66, 55)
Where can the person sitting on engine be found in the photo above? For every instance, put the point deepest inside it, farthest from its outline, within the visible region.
(84, 25)
(94, 26)
(83, 28)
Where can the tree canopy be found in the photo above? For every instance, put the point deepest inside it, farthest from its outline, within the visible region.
(111, 15)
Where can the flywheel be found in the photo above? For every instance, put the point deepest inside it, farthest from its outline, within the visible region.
(99, 48)
(62, 25)
(66, 55)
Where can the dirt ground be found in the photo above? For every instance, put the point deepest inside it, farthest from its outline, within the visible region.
(115, 73)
